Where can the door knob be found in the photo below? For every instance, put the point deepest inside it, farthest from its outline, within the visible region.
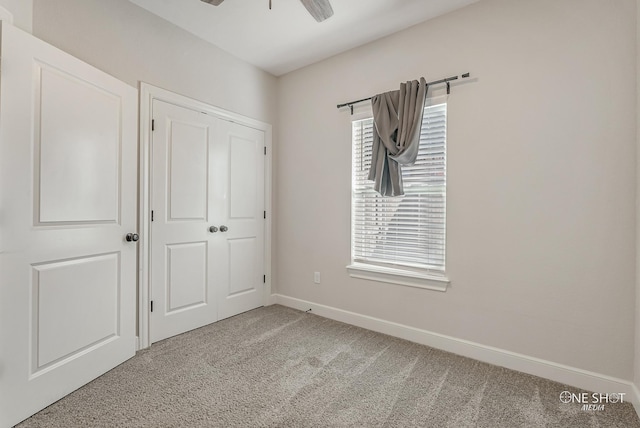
(132, 237)
(223, 228)
(213, 229)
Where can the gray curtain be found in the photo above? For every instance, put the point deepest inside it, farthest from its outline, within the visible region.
(397, 116)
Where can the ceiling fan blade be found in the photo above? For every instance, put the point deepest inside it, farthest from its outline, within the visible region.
(213, 2)
(319, 9)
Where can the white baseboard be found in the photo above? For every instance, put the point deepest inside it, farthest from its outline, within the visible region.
(635, 398)
(272, 300)
(573, 376)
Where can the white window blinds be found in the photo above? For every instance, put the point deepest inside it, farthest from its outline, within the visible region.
(405, 231)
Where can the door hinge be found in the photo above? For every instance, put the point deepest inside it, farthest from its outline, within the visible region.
(264, 279)
(153, 125)
(151, 215)
(265, 150)
(265, 214)
(152, 306)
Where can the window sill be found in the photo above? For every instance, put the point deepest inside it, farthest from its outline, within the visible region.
(398, 276)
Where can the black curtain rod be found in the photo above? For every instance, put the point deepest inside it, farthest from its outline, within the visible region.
(435, 82)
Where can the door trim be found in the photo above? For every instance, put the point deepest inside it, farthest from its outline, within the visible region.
(149, 93)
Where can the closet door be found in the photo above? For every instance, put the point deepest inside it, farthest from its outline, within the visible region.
(207, 232)
(239, 266)
(68, 146)
(182, 243)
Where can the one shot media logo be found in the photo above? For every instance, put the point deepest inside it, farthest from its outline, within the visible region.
(592, 401)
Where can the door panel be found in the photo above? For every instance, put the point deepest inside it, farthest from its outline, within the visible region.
(242, 179)
(69, 293)
(186, 276)
(188, 169)
(68, 146)
(242, 269)
(78, 147)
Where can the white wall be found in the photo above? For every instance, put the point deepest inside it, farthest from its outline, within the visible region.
(541, 193)
(134, 45)
(542, 149)
(22, 12)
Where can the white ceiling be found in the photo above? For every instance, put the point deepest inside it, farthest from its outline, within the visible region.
(287, 37)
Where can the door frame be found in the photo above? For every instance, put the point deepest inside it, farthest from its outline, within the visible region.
(149, 93)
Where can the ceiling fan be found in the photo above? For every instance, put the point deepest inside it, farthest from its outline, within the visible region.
(319, 9)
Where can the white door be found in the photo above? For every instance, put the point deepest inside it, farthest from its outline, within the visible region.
(68, 184)
(182, 151)
(239, 266)
(207, 229)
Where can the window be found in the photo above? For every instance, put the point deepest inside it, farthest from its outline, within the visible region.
(402, 239)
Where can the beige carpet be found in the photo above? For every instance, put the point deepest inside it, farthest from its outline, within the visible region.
(277, 367)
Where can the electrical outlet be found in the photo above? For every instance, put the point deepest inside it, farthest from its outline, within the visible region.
(316, 277)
